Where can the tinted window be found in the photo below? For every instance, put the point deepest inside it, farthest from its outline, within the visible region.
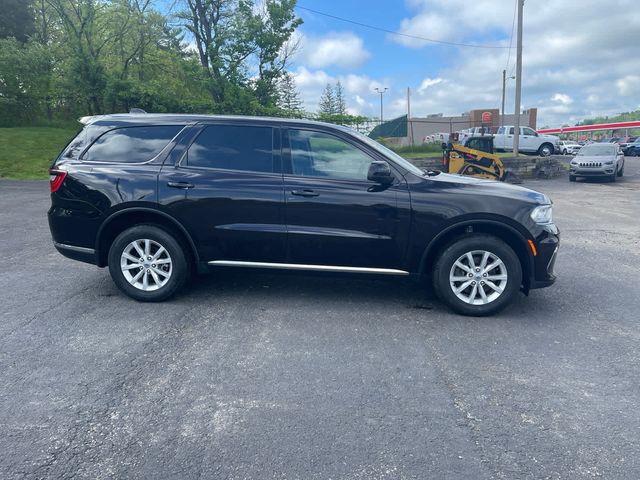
(528, 131)
(233, 147)
(315, 154)
(131, 144)
(511, 131)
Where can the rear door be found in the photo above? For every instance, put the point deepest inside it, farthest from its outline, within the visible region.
(226, 189)
(335, 216)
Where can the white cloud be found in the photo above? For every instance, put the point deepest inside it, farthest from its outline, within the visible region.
(428, 82)
(359, 89)
(341, 49)
(628, 85)
(569, 73)
(562, 98)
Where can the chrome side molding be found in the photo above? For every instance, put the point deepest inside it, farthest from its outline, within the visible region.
(300, 266)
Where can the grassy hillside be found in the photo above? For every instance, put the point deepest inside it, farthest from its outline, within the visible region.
(27, 152)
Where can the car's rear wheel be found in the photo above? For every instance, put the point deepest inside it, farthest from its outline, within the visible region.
(147, 263)
(477, 275)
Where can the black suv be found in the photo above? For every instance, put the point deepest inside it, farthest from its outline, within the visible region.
(156, 197)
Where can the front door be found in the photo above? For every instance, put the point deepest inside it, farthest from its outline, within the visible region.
(227, 191)
(528, 140)
(334, 215)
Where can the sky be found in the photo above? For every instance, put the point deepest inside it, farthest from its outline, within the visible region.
(580, 58)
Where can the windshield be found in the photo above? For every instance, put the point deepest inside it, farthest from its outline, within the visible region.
(597, 150)
(389, 153)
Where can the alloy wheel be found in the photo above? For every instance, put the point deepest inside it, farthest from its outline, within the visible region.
(146, 264)
(478, 277)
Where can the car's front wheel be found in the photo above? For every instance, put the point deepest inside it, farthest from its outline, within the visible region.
(477, 275)
(147, 263)
(545, 150)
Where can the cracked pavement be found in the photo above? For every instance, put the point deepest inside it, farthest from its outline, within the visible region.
(290, 375)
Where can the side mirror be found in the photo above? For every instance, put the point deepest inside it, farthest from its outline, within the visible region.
(380, 172)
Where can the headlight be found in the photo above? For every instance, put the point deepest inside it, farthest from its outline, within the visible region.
(609, 162)
(542, 214)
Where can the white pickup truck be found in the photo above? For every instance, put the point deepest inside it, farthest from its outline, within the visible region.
(530, 141)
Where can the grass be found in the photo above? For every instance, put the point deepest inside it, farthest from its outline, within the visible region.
(27, 152)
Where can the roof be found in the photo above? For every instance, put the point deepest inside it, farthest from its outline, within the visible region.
(182, 118)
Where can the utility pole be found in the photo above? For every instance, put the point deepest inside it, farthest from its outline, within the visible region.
(409, 124)
(381, 92)
(516, 133)
(504, 86)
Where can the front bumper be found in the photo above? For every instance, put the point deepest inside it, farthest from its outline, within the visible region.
(604, 171)
(547, 245)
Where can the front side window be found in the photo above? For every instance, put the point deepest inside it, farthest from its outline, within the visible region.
(315, 154)
(511, 131)
(528, 131)
(233, 147)
(131, 144)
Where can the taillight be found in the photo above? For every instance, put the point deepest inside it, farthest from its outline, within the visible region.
(56, 177)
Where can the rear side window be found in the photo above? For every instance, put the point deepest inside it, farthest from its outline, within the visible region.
(233, 147)
(131, 144)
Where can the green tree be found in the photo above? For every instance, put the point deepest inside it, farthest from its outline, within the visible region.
(340, 103)
(288, 97)
(16, 19)
(327, 105)
(23, 82)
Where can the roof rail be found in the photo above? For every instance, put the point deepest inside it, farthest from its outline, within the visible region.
(137, 110)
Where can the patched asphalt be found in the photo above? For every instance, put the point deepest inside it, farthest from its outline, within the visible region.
(285, 376)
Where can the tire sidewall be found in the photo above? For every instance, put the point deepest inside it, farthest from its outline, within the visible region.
(164, 238)
(477, 242)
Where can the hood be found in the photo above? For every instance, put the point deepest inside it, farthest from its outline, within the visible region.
(550, 137)
(593, 158)
(492, 188)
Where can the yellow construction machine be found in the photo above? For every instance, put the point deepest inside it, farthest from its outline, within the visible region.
(475, 157)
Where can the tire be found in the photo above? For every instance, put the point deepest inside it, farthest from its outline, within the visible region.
(507, 275)
(621, 171)
(614, 176)
(545, 150)
(137, 276)
(572, 178)
(564, 152)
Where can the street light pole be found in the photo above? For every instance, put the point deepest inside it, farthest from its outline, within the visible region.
(516, 133)
(504, 86)
(381, 92)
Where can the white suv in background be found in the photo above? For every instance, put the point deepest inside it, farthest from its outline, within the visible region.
(568, 147)
(530, 141)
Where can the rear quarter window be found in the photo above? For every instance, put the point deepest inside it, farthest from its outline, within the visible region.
(131, 144)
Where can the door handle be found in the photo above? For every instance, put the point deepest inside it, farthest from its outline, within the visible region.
(304, 193)
(181, 185)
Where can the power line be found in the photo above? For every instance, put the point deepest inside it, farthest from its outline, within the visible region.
(416, 37)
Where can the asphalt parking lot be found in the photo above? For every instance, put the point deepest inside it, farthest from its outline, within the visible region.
(262, 375)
